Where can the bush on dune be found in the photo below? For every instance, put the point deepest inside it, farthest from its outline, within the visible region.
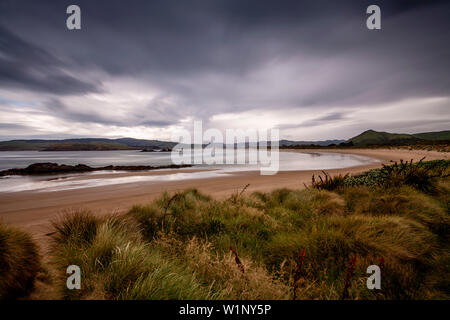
(421, 175)
(19, 263)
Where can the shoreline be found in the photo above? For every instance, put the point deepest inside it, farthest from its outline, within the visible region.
(33, 211)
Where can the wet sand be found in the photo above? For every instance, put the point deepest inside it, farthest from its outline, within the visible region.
(33, 211)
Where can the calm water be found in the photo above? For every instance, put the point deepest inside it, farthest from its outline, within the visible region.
(21, 159)
(288, 161)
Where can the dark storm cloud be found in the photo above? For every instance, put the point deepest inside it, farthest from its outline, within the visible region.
(149, 119)
(61, 110)
(329, 118)
(155, 123)
(13, 126)
(25, 65)
(167, 40)
(222, 56)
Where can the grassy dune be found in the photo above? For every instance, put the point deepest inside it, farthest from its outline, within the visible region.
(314, 243)
(178, 247)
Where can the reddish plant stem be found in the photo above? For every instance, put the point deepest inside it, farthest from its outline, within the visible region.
(236, 258)
(299, 271)
(348, 278)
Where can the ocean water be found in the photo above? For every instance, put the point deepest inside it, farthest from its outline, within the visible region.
(288, 161)
(22, 159)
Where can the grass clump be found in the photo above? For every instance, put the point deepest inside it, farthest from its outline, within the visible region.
(117, 264)
(19, 263)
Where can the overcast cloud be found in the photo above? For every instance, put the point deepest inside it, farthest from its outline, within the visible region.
(145, 68)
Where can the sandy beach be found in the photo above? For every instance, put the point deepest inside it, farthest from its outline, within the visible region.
(33, 211)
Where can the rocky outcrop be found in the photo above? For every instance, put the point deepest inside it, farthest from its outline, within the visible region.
(54, 168)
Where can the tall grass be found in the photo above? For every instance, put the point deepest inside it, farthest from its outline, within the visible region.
(285, 244)
(178, 246)
(19, 263)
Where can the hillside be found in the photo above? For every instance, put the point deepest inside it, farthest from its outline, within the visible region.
(82, 144)
(438, 135)
(86, 146)
(289, 143)
(369, 137)
(372, 137)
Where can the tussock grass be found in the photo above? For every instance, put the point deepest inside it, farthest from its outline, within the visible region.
(78, 228)
(178, 246)
(19, 263)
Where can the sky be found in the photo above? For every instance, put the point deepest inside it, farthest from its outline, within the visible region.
(145, 69)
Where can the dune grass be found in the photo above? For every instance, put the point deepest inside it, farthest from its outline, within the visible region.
(19, 263)
(314, 243)
(178, 246)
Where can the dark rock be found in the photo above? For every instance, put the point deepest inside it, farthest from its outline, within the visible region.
(54, 168)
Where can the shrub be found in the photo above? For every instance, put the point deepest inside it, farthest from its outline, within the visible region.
(421, 175)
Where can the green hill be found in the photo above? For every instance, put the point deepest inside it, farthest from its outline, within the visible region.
(372, 137)
(83, 144)
(369, 137)
(438, 135)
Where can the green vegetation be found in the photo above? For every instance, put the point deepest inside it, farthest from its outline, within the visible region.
(427, 140)
(275, 245)
(374, 137)
(439, 135)
(86, 146)
(371, 137)
(421, 175)
(83, 144)
(190, 246)
(19, 263)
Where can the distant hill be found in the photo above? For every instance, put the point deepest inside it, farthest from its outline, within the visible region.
(369, 137)
(372, 137)
(290, 143)
(438, 135)
(83, 144)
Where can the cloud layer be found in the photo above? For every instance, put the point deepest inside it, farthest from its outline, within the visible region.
(147, 68)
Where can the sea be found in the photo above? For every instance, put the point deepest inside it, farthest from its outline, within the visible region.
(288, 161)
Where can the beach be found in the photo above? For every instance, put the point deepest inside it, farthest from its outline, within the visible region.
(34, 211)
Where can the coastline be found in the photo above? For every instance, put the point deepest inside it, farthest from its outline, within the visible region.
(33, 211)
